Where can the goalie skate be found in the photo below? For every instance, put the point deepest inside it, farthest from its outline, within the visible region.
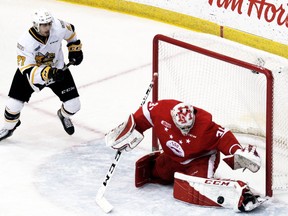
(5, 133)
(250, 202)
(66, 122)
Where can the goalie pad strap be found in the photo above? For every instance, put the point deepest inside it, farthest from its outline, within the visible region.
(208, 192)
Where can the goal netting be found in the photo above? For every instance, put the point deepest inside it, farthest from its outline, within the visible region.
(245, 89)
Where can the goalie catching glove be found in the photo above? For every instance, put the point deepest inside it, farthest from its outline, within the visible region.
(125, 136)
(245, 158)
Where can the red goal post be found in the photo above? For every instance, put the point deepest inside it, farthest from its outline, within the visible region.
(233, 85)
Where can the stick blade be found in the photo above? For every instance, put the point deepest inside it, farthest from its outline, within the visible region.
(104, 204)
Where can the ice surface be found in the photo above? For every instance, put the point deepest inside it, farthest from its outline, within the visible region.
(46, 172)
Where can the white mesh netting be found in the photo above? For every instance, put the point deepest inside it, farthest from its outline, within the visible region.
(234, 95)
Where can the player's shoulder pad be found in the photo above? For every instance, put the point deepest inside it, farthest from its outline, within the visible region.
(64, 25)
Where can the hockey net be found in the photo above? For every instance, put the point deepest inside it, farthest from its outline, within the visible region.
(245, 89)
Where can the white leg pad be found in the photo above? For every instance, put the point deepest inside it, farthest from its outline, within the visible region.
(208, 191)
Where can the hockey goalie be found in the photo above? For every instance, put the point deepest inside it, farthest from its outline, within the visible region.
(191, 143)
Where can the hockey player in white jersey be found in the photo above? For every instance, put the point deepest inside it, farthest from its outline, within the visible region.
(41, 64)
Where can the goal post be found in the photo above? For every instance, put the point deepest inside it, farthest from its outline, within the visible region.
(230, 81)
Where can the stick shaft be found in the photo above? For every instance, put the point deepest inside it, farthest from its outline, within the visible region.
(100, 199)
(68, 65)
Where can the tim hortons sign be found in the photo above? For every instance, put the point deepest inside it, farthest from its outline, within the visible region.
(264, 10)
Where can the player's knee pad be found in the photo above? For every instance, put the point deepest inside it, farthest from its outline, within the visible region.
(13, 109)
(14, 106)
(71, 106)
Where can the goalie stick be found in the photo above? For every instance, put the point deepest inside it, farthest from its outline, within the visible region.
(100, 199)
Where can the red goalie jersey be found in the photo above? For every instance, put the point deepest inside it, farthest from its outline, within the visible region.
(191, 142)
(204, 138)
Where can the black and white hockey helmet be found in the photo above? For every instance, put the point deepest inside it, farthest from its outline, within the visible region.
(41, 16)
(183, 117)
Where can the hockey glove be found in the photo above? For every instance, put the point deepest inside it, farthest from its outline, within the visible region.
(125, 136)
(53, 74)
(245, 158)
(75, 53)
(248, 158)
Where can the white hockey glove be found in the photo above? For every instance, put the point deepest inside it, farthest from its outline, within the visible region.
(125, 136)
(245, 158)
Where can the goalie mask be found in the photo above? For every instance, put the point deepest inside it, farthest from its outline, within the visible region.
(183, 117)
(41, 16)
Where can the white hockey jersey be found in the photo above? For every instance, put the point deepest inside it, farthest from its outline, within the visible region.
(34, 54)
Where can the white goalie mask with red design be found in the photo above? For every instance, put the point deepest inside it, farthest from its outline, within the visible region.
(183, 117)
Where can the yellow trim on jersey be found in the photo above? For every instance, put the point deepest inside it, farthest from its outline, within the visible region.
(22, 69)
(73, 35)
(36, 36)
(33, 74)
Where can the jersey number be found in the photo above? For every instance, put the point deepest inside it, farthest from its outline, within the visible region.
(220, 132)
(21, 60)
(152, 105)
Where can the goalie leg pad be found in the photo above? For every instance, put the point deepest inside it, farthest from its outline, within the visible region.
(214, 192)
(186, 188)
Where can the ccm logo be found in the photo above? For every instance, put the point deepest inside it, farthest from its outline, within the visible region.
(216, 182)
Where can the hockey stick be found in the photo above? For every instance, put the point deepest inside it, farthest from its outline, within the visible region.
(68, 65)
(100, 199)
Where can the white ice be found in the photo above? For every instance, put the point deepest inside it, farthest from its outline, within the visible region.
(44, 171)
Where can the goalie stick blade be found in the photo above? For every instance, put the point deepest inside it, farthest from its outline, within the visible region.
(104, 204)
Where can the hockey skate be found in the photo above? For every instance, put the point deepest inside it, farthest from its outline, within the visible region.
(5, 133)
(66, 122)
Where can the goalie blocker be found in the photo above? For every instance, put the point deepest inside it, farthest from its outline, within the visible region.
(125, 136)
